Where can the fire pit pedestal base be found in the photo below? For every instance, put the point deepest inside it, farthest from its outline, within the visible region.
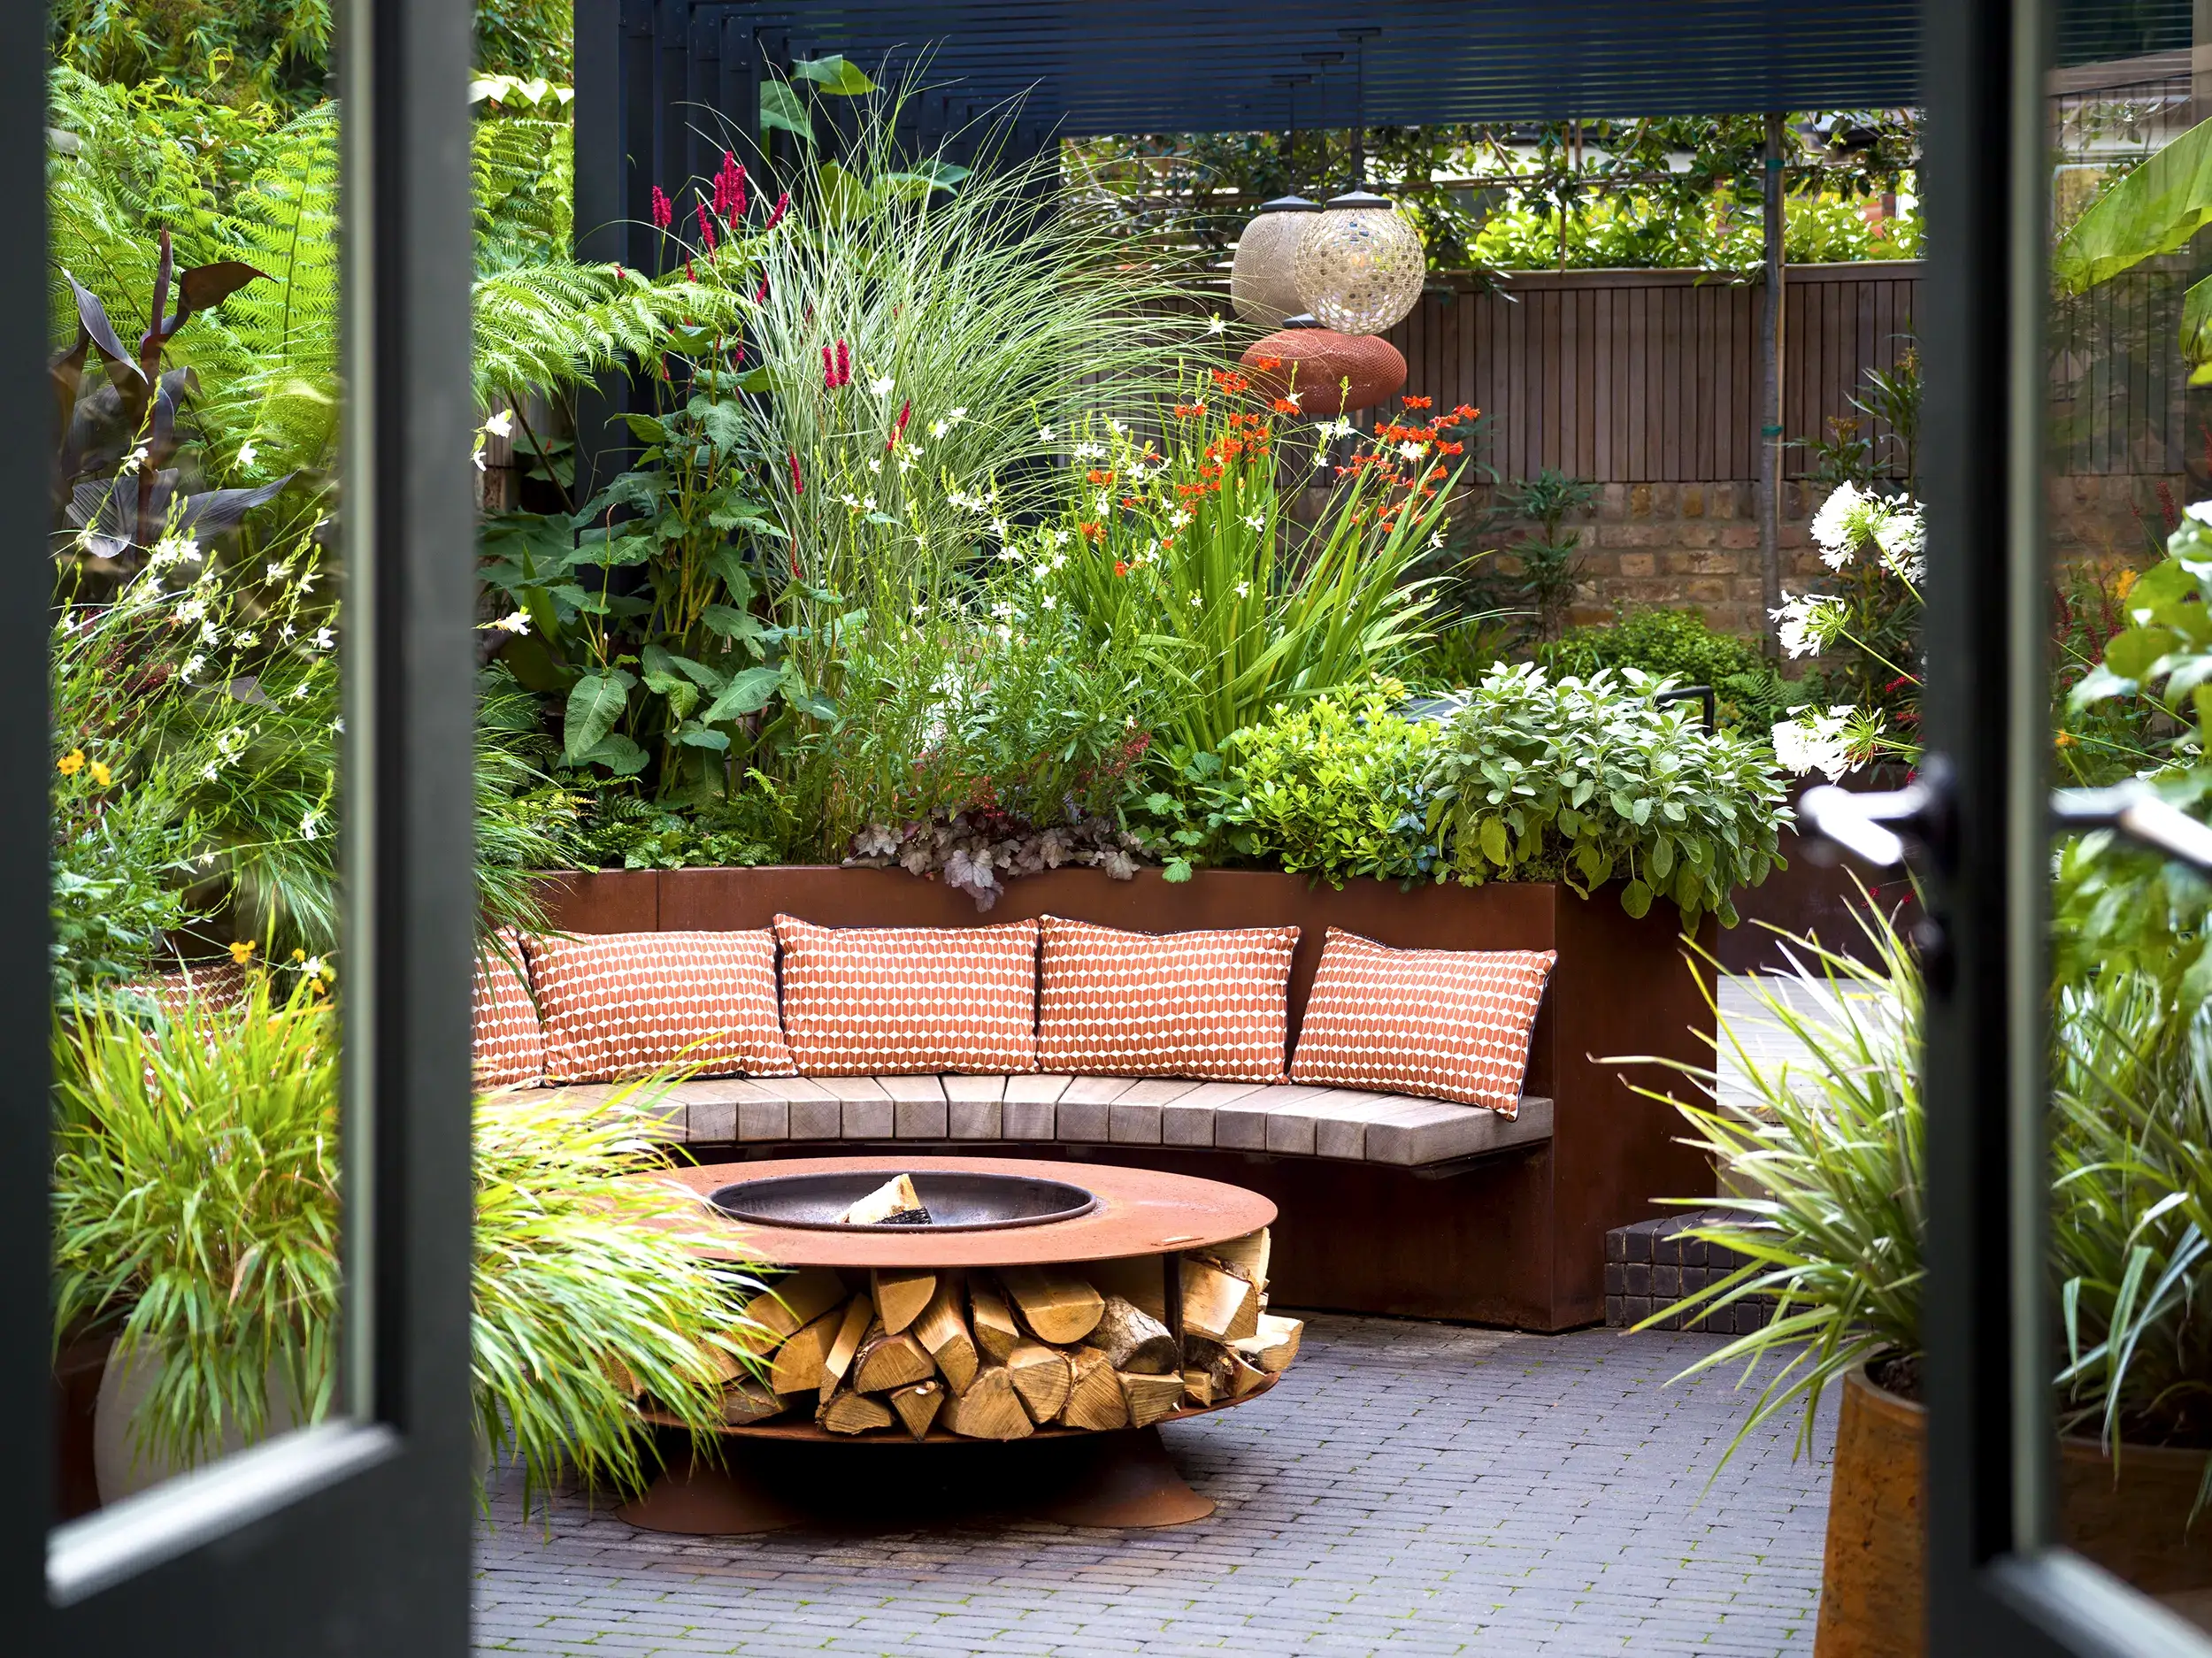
(1121, 1479)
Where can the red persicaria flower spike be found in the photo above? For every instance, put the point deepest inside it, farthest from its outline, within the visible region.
(690, 275)
(776, 217)
(760, 294)
(706, 228)
(663, 210)
(737, 185)
(829, 370)
(844, 364)
(798, 484)
(906, 411)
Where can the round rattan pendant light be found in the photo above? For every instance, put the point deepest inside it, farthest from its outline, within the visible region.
(1263, 279)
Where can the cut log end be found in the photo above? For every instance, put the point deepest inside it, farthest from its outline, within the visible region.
(901, 1297)
(1094, 1395)
(887, 1361)
(1058, 1306)
(990, 1409)
(917, 1406)
(1150, 1397)
(848, 1412)
(1041, 1377)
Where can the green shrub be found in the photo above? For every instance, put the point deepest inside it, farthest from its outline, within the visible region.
(1590, 780)
(1333, 785)
(1678, 645)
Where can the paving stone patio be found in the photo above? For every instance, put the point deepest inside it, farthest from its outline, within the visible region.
(1409, 1488)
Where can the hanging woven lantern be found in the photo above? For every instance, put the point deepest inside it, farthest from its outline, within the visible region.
(1263, 279)
(1329, 373)
(1359, 265)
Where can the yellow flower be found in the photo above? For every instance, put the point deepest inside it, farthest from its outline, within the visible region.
(299, 955)
(101, 775)
(2125, 585)
(242, 951)
(71, 764)
(2064, 739)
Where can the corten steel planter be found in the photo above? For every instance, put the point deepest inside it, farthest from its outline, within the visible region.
(1873, 1592)
(1516, 1237)
(1811, 901)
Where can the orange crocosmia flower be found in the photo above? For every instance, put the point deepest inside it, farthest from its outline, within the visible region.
(1097, 477)
(1092, 529)
(1186, 412)
(1466, 412)
(1417, 402)
(1450, 448)
(1131, 501)
(1283, 405)
(1264, 364)
(1121, 566)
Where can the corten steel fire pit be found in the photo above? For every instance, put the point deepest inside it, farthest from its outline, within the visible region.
(995, 1213)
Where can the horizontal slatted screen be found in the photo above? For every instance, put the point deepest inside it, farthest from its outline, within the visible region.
(1653, 376)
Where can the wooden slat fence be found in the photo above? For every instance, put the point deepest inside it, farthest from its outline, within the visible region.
(1651, 376)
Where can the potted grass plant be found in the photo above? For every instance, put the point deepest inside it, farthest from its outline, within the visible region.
(1829, 1150)
(196, 1217)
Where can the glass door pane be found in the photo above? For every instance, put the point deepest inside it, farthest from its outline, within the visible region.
(2127, 476)
(198, 620)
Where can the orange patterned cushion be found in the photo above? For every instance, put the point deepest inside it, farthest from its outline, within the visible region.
(891, 1000)
(1444, 1024)
(510, 1045)
(217, 984)
(1210, 1005)
(627, 1004)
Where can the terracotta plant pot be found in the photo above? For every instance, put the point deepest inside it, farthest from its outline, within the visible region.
(1873, 1592)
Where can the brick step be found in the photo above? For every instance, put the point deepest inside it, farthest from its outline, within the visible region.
(1652, 1264)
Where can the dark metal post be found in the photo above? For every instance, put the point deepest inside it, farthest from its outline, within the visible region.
(1773, 310)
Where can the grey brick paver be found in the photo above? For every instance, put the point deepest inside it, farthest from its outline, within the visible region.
(1409, 1489)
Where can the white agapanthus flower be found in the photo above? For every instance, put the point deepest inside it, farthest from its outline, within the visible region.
(1805, 623)
(1814, 742)
(1901, 538)
(1831, 526)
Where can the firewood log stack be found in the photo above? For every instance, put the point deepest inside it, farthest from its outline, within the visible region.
(999, 1354)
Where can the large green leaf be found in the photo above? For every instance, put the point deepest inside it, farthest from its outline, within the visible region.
(747, 694)
(780, 110)
(595, 702)
(835, 74)
(2155, 209)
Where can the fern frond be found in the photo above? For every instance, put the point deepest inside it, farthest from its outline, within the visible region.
(546, 326)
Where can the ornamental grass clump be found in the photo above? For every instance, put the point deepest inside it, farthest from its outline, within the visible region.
(196, 1207)
(1594, 780)
(1836, 1142)
(196, 1203)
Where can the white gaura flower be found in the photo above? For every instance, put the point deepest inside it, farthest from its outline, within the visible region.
(132, 462)
(876, 466)
(325, 639)
(1115, 426)
(957, 415)
(500, 425)
(1049, 602)
(1001, 610)
(245, 453)
(1244, 589)
(517, 622)
(311, 825)
(191, 669)
(1814, 742)
(479, 458)
(1294, 397)
(1196, 600)
(1044, 435)
(1214, 325)
(273, 572)
(1340, 428)
(1008, 556)
(307, 582)
(938, 428)
(1090, 451)
(1255, 521)
(881, 387)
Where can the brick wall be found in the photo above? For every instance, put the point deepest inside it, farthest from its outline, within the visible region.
(1696, 545)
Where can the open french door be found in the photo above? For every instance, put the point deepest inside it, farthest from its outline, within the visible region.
(351, 1536)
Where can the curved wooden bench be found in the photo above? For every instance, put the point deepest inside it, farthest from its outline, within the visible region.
(1283, 1119)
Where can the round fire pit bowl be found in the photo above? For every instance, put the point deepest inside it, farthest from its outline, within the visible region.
(958, 1200)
